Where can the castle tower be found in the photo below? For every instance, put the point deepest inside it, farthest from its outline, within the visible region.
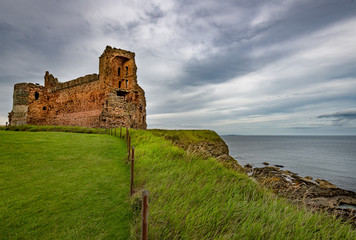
(126, 104)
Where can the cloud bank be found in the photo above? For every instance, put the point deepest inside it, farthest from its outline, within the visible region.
(239, 67)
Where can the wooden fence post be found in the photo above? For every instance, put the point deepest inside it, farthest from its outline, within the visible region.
(129, 146)
(144, 215)
(132, 169)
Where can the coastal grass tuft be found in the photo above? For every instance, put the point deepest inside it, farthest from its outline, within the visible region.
(56, 185)
(198, 198)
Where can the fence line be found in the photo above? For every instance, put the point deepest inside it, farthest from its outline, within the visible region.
(132, 170)
(131, 158)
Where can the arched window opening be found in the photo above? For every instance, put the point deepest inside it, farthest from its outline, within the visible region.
(127, 83)
(127, 70)
(37, 95)
(118, 71)
(120, 84)
(44, 108)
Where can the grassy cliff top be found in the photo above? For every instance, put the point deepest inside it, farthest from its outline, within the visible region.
(187, 137)
(191, 195)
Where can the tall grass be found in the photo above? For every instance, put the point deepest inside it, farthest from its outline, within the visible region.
(63, 186)
(196, 198)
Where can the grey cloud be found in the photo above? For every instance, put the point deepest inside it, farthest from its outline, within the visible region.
(342, 118)
(236, 40)
(347, 114)
(154, 13)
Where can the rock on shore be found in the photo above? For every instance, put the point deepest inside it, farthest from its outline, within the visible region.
(318, 194)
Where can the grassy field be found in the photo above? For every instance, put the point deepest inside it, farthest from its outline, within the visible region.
(63, 186)
(195, 198)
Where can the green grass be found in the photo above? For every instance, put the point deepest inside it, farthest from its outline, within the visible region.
(196, 198)
(75, 186)
(73, 129)
(187, 137)
(63, 186)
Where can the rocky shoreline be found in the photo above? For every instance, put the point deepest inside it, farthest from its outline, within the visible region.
(314, 194)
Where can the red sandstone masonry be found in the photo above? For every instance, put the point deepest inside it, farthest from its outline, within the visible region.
(112, 98)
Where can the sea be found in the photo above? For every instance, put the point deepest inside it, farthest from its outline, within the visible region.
(332, 158)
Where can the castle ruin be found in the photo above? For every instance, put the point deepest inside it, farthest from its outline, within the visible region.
(111, 99)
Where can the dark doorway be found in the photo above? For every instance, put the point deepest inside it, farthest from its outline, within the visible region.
(37, 95)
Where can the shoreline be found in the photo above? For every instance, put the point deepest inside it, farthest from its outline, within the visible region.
(317, 194)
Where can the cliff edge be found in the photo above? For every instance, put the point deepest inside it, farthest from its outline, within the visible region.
(205, 143)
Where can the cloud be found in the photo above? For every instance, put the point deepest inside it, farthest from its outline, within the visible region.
(346, 114)
(342, 118)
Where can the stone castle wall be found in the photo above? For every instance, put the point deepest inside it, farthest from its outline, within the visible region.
(112, 98)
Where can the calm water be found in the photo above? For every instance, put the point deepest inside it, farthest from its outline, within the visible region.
(326, 157)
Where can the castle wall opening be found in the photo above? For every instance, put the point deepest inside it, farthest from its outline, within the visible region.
(121, 93)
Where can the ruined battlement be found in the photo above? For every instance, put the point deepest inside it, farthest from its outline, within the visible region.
(75, 82)
(109, 99)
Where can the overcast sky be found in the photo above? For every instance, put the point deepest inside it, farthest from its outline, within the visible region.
(233, 66)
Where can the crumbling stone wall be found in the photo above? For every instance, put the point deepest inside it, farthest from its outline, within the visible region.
(112, 98)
